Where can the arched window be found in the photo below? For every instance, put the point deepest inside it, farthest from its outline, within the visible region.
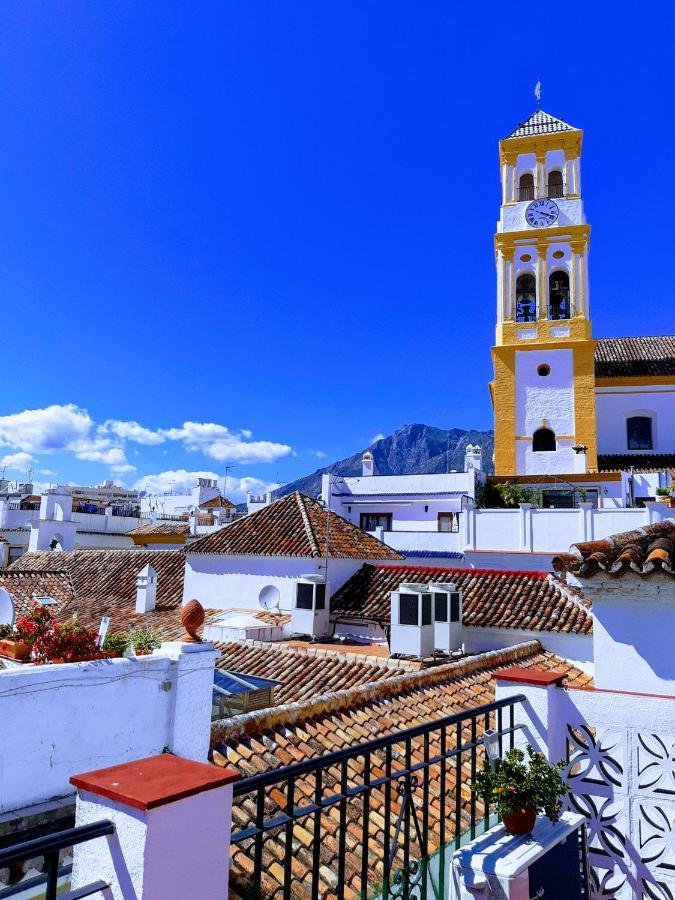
(555, 184)
(526, 298)
(639, 433)
(559, 295)
(526, 186)
(543, 439)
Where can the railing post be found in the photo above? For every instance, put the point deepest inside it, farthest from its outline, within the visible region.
(172, 821)
(526, 526)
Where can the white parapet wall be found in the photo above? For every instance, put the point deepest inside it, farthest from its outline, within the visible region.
(57, 720)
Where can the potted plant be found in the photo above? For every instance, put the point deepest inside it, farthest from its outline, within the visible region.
(144, 640)
(520, 791)
(115, 644)
(663, 494)
(67, 642)
(17, 642)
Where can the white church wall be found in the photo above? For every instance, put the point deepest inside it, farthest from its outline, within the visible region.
(615, 405)
(545, 398)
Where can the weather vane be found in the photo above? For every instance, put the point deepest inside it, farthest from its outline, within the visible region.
(537, 93)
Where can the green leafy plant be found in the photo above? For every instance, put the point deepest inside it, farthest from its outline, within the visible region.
(145, 639)
(512, 785)
(116, 643)
(663, 492)
(513, 494)
(6, 631)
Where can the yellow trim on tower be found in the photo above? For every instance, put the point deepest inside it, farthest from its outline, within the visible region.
(504, 399)
(585, 428)
(569, 141)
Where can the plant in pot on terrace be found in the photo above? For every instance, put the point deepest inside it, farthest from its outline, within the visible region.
(116, 644)
(67, 642)
(663, 493)
(145, 640)
(520, 790)
(17, 642)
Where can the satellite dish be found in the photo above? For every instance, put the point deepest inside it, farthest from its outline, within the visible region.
(269, 597)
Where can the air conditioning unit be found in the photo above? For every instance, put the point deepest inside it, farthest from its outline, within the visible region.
(551, 863)
(412, 621)
(311, 609)
(447, 609)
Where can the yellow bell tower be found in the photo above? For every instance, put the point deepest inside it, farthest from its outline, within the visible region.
(543, 391)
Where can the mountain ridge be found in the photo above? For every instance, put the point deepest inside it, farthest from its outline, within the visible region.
(415, 448)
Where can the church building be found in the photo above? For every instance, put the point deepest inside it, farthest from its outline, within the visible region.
(568, 407)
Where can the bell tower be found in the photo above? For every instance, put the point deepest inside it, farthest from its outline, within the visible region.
(543, 391)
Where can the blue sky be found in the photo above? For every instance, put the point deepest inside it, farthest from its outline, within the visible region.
(261, 233)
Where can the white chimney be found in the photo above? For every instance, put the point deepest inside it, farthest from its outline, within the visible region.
(146, 589)
(367, 464)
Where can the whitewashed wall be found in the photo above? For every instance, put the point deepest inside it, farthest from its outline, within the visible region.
(223, 581)
(619, 753)
(61, 720)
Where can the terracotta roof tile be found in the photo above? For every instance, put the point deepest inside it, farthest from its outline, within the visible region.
(491, 598)
(303, 673)
(217, 503)
(104, 583)
(272, 738)
(24, 587)
(641, 462)
(635, 356)
(294, 526)
(643, 551)
(160, 528)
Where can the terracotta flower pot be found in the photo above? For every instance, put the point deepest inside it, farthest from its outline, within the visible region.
(521, 822)
(18, 650)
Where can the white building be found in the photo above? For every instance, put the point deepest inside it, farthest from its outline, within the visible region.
(257, 563)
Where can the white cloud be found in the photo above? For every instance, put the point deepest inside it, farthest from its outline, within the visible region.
(318, 453)
(132, 431)
(50, 430)
(376, 438)
(19, 460)
(223, 445)
(47, 472)
(69, 429)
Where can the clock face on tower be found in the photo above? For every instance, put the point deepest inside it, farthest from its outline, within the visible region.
(541, 213)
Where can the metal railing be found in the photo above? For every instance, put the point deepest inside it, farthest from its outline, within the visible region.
(555, 191)
(525, 193)
(49, 847)
(373, 819)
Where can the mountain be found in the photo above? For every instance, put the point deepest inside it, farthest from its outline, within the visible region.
(410, 449)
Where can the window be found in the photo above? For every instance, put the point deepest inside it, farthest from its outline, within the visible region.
(407, 609)
(14, 554)
(543, 370)
(555, 184)
(305, 596)
(559, 295)
(454, 606)
(448, 521)
(526, 298)
(639, 431)
(543, 440)
(441, 607)
(371, 521)
(557, 499)
(526, 186)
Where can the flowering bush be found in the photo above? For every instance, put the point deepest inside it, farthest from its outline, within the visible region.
(38, 622)
(512, 786)
(67, 641)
